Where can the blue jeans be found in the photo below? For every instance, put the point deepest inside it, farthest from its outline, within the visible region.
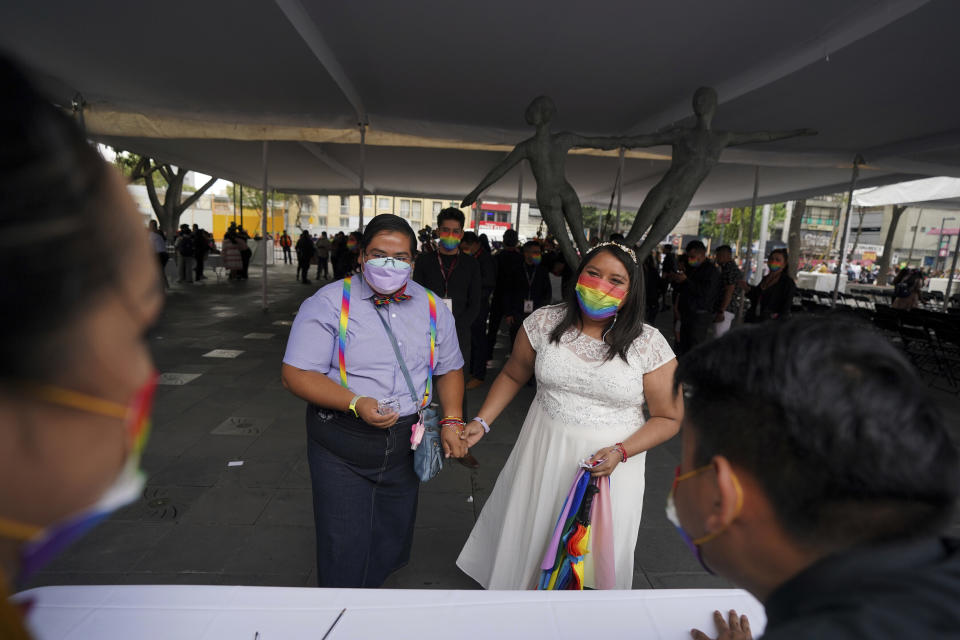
(364, 497)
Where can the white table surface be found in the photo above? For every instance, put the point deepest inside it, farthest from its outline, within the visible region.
(821, 281)
(238, 613)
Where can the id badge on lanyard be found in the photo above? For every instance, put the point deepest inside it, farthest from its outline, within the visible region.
(449, 303)
(528, 306)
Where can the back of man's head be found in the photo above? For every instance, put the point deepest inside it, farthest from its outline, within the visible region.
(834, 425)
(510, 238)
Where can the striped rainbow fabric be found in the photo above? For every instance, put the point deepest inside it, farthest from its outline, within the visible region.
(598, 298)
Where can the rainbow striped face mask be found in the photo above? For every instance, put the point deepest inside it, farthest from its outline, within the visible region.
(449, 241)
(598, 298)
(42, 544)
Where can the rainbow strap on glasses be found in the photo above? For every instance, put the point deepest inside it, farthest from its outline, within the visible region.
(342, 347)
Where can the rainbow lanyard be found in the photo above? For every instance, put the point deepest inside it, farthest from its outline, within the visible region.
(342, 347)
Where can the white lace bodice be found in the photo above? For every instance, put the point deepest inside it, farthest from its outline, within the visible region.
(576, 385)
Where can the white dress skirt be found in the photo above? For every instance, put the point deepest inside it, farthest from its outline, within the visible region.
(583, 404)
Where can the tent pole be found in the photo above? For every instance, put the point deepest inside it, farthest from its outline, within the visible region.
(857, 161)
(363, 166)
(263, 224)
(764, 235)
(519, 193)
(747, 263)
(619, 187)
(914, 242)
(953, 268)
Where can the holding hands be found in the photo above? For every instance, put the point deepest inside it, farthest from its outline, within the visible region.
(472, 433)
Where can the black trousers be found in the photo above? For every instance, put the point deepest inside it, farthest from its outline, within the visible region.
(245, 255)
(496, 317)
(364, 497)
(694, 329)
(478, 355)
(322, 266)
(287, 256)
(303, 270)
(198, 272)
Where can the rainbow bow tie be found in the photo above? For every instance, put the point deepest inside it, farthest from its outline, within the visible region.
(399, 296)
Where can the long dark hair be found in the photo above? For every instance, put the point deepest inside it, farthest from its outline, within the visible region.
(786, 261)
(628, 325)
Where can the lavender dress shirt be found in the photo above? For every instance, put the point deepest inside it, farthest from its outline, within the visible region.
(372, 368)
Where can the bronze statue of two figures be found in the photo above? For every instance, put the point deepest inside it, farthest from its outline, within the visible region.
(696, 151)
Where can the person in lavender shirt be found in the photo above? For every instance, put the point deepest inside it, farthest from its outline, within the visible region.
(361, 465)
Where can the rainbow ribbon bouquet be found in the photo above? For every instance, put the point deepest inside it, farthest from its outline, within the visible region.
(585, 526)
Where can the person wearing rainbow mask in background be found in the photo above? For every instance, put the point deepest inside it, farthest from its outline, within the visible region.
(456, 279)
(76, 376)
(773, 297)
(597, 363)
(528, 292)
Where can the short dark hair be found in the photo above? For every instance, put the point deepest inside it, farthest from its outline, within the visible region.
(695, 245)
(451, 213)
(834, 424)
(628, 325)
(469, 236)
(387, 222)
(667, 248)
(725, 248)
(531, 244)
(54, 190)
(510, 238)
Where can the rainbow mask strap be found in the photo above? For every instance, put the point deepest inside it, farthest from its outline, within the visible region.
(433, 345)
(342, 346)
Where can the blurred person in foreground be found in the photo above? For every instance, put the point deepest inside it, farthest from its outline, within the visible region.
(816, 473)
(76, 376)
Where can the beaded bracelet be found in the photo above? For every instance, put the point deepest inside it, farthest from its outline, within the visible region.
(453, 422)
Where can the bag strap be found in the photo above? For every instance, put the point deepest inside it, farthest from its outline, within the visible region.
(342, 346)
(396, 352)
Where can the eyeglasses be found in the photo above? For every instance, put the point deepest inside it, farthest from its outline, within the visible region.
(403, 257)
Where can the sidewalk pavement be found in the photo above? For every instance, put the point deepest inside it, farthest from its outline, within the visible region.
(228, 496)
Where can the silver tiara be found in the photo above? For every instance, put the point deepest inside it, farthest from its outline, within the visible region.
(626, 250)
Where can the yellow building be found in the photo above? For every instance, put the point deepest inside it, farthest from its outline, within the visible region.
(342, 213)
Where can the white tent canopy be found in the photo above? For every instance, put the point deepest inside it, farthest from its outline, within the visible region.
(443, 86)
(934, 193)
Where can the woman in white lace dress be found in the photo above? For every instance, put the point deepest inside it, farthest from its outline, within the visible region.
(596, 364)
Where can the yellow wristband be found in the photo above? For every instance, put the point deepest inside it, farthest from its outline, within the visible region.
(353, 406)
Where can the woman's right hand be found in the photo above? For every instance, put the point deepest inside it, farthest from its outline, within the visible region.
(367, 410)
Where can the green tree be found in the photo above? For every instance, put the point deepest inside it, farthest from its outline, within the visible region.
(734, 233)
(159, 176)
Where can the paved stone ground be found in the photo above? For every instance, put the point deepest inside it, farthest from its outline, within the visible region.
(203, 521)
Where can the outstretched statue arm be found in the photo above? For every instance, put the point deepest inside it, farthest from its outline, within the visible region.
(513, 158)
(629, 142)
(768, 136)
